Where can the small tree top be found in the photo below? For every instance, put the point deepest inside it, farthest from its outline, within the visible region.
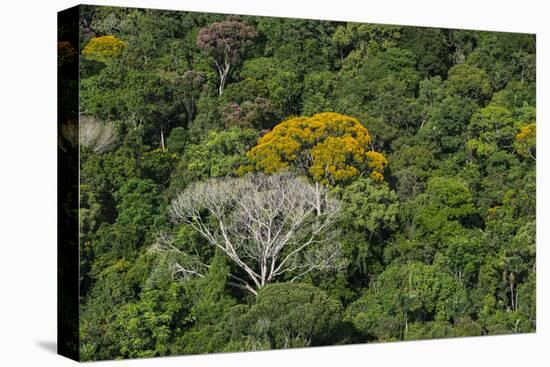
(226, 39)
(103, 48)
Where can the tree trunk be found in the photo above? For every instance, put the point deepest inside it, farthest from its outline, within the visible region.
(406, 323)
(318, 198)
(223, 77)
(222, 82)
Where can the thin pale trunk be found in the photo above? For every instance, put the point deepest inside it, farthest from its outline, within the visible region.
(162, 139)
(422, 124)
(318, 198)
(263, 271)
(245, 287)
(223, 77)
(222, 82)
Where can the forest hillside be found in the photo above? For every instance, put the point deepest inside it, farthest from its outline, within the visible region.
(253, 183)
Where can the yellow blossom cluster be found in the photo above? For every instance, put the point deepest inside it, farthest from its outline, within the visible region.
(526, 140)
(103, 48)
(329, 147)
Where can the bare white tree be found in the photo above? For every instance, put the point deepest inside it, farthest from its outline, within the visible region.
(268, 225)
(98, 135)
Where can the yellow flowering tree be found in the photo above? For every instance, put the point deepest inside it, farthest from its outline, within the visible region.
(103, 48)
(526, 140)
(328, 147)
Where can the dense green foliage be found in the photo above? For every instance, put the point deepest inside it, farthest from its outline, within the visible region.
(440, 242)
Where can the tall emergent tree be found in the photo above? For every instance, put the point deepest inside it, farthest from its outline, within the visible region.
(266, 224)
(328, 147)
(226, 42)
